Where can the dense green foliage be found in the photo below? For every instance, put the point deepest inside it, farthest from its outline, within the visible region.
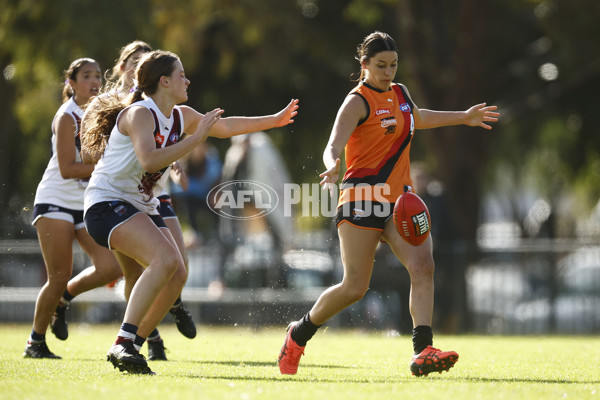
(251, 57)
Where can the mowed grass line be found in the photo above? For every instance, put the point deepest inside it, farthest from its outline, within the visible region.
(239, 363)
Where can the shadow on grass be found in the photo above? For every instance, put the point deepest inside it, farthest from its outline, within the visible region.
(525, 380)
(264, 364)
(298, 378)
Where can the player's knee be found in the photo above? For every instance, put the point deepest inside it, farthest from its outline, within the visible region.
(180, 276)
(109, 271)
(59, 279)
(167, 261)
(422, 269)
(354, 293)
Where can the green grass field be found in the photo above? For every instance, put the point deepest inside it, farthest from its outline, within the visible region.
(239, 363)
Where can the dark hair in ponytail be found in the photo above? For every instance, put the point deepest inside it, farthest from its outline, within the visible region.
(101, 117)
(71, 74)
(374, 43)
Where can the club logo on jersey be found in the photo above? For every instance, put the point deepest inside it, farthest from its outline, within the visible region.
(174, 137)
(120, 210)
(383, 111)
(405, 107)
(389, 124)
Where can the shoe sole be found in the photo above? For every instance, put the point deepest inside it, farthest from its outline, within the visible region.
(187, 333)
(440, 366)
(132, 366)
(58, 336)
(56, 333)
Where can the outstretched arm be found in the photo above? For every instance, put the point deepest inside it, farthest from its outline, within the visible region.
(477, 115)
(232, 126)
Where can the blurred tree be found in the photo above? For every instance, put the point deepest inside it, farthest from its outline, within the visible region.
(251, 57)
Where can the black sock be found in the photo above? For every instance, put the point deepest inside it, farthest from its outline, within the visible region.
(422, 337)
(154, 335)
(177, 303)
(67, 296)
(138, 342)
(303, 331)
(36, 337)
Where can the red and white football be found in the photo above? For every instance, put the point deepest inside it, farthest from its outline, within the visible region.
(412, 219)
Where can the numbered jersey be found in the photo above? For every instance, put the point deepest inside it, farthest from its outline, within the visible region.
(377, 153)
(53, 188)
(119, 174)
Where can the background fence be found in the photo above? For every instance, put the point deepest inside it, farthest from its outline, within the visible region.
(534, 287)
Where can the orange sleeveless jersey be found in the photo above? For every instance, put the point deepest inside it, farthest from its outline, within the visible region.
(377, 153)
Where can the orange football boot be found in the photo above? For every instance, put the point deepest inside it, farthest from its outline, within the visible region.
(290, 354)
(432, 360)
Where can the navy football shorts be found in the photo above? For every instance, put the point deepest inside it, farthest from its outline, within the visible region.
(165, 209)
(57, 212)
(102, 218)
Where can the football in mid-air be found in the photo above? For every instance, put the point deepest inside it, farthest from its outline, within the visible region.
(412, 219)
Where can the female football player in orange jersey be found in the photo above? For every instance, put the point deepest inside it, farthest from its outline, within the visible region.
(374, 126)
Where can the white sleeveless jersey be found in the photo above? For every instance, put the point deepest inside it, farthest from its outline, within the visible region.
(119, 174)
(53, 188)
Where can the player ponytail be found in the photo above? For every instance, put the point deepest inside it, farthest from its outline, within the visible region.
(71, 75)
(372, 44)
(101, 116)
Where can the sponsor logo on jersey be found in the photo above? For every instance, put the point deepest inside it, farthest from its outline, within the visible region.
(385, 122)
(383, 111)
(159, 138)
(404, 107)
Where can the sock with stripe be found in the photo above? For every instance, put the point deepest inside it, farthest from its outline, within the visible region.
(154, 336)
(138, 342)
(35, 337)
(127, 332)
(177, 303)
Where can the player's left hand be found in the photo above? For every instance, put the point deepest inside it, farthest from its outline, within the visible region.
(286, 116)
(479, 114)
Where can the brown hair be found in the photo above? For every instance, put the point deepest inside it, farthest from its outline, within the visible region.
(102, 117)
(71, 74)
(374, 43)
(124, 54)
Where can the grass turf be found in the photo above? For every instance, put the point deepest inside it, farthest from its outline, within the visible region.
(239, 363)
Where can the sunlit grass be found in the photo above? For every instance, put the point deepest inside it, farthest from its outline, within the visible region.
(239, 363)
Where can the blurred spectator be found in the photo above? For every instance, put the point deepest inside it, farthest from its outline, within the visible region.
(253, 246)
(203, 168)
